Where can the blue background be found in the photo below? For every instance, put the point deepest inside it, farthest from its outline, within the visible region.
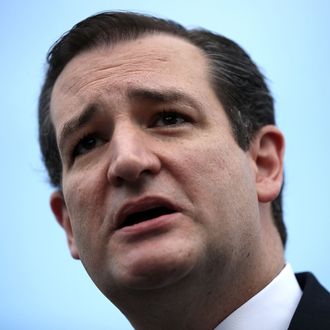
(41, 287)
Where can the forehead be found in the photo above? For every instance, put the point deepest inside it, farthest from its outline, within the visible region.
(154, 62)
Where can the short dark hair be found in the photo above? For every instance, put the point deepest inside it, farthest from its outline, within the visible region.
(237, 81)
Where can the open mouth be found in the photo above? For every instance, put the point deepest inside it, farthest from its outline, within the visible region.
(146, 215)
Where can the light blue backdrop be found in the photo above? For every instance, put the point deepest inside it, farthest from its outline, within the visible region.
(41, 287)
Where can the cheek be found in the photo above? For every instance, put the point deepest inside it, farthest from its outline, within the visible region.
(85, 197)
(201, 169)
(84, 187)
(217, 179)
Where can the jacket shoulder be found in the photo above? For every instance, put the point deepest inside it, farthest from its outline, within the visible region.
(313, 311)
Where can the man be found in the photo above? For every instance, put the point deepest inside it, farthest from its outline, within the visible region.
(168, 167)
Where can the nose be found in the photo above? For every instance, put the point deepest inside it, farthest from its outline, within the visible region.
(131, 157)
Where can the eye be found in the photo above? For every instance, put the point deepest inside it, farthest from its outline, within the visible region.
(87, 144)
(169, 118)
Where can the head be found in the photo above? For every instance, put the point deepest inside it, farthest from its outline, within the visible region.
(236, 80)
(162, 145)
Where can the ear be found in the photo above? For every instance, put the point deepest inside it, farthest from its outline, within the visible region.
(267, 152)
(60, 211)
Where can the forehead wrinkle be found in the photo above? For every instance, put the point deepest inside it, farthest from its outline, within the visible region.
(159, 59)
(123, 60)
(97, 73)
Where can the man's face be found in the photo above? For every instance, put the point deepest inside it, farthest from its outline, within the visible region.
(155, 187)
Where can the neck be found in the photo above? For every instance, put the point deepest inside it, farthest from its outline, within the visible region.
(181, 307)
(207, 295)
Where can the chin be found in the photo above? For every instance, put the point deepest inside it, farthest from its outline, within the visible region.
(155, 275)
(157, 267)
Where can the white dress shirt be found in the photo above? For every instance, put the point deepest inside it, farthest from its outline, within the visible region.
(270, 309)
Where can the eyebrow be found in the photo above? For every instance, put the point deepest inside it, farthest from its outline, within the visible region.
(139, 94)
(77, 122)
(161, 96)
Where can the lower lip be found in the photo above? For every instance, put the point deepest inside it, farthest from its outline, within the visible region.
(155, 225)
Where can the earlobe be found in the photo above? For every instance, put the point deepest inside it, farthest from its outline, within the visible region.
(267, 150)
(60, 211)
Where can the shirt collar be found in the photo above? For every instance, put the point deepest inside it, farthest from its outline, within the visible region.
(272, 308)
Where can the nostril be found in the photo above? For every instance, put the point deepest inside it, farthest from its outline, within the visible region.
(132, 167)
(125, 168)
(117, 181)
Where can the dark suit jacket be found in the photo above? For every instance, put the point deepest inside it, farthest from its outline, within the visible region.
(313, 311)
